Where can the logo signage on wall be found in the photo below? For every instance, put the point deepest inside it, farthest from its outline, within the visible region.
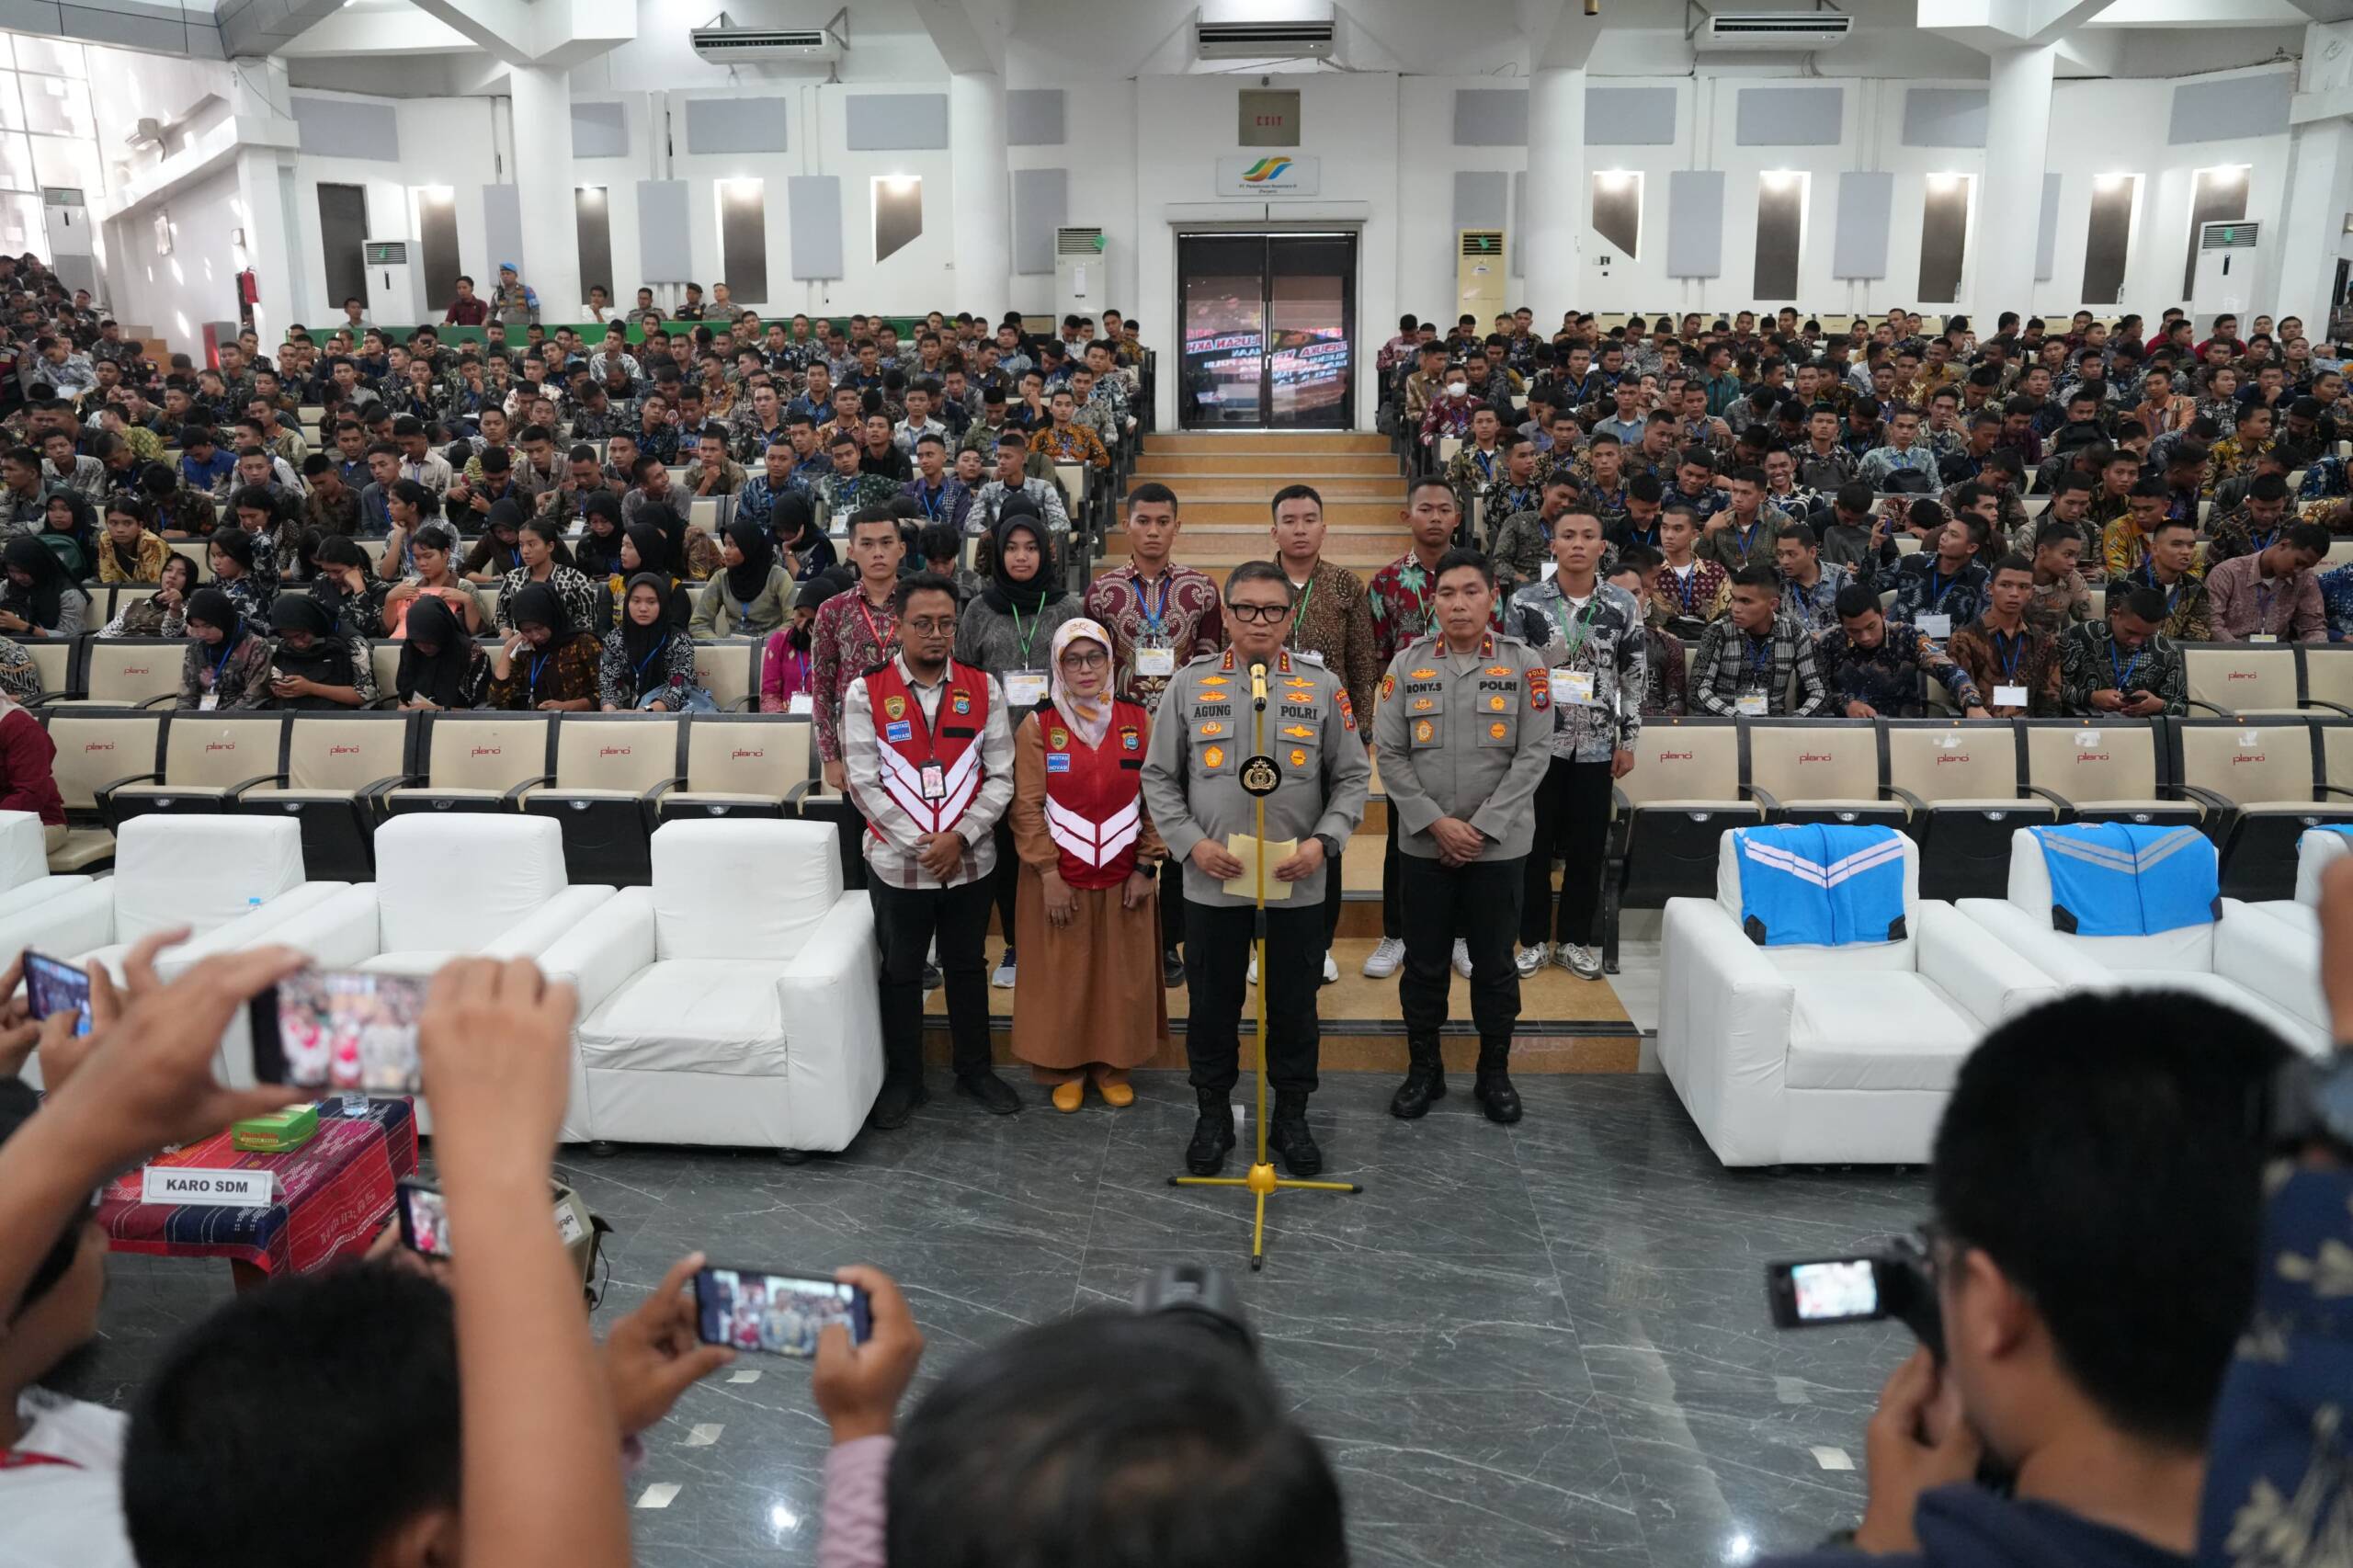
(1275, 175)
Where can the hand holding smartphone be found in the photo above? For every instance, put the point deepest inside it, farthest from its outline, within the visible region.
(778, 1313)
(339, 1029)
(53, 986)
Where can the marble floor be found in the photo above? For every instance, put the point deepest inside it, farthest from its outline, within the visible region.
(1533, 1345)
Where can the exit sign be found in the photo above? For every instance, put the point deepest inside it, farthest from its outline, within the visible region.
(1269, 118)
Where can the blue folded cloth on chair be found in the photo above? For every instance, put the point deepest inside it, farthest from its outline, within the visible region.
(2121, 879)
(1820, 884)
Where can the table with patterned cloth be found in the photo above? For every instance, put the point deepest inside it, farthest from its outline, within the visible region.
(335, 1194)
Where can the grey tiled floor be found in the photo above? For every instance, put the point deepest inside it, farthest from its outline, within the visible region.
(1540, 1345)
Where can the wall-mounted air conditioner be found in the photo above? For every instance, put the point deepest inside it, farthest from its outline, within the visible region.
(1790, 31)
(1253, 29)
(810, 46)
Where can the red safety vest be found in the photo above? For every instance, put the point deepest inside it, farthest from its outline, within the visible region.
(1095, 795)
(931, 777)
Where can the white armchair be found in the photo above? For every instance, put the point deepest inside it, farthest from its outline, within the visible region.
(732, 1002)
(1815, 1054)
(2292, 952)
(449, 885)
(2254, 962)
(24, 865)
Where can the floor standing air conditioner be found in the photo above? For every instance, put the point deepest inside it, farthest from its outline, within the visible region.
(71, 240)
(2231, 259)
(391, 280)
(1479, 274)
(1079, 272)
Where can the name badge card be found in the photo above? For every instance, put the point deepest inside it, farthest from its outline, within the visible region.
(1933, 625)
(1025, 688)
(800, 703)
(2009, 696)
(1155, 659)
(1573, 686)
(208, 1189)
(1750, 703)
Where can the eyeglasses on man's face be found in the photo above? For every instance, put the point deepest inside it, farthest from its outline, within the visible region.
(1261, 613)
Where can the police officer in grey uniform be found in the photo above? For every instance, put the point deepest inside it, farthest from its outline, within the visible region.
(1465, 735)
(1192, 786)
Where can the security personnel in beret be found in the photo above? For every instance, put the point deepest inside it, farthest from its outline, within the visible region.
(1193, 786)
(1464, 737)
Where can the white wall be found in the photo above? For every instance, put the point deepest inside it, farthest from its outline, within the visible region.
(175, 295)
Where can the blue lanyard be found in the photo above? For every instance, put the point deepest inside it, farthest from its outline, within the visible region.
(1937, 593)
(651, 653)
(931, 501)
(535, 665)
(2010, 655)
(2173, 595)
(1155, 620)
(1682, 587)
(1747, 534)
(2124, 673)
(228, 646)
(1758, 656)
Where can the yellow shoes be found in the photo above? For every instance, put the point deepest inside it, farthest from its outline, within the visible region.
(1068, 1095)
(1118, 1095)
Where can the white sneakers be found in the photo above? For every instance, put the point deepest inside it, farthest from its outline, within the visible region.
(1462, 958)
(1331, 969)
(1528, 960)
(1386, 959)
(1582, 962)
(1002, 978)
(1254, 965)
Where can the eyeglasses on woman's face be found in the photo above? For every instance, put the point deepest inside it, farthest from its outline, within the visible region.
(1262, 614)
(1086, 659)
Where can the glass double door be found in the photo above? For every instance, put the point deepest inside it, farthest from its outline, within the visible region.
(1269, 323)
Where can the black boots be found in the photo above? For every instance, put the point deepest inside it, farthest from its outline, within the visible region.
(1212, 1135)
(1425, 1081)
(1493, 1091)
(1287, 1134)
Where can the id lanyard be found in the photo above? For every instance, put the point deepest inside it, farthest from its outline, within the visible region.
(2123, 672)
(1026, 636)
(882, 644)
(1573, 634)
(931, 503)
(2010, 655)
(1937, 593)
(538, 665)
(227, 648)
(1758, 658)
(2173, 595)
(1155, 621)
(1291, 637)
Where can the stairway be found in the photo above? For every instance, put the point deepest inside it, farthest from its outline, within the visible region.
(1225, 481)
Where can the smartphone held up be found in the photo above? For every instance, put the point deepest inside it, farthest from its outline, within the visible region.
(349, 1029)
(782, 1315)
(53, 986)
(1894, 1283)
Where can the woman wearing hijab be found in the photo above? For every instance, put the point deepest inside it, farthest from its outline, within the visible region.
(808, 549)
(69, 526)
(1089, 1003)
(645, 551)
(649, 663)
(1009, 632)
(38, 599)
(786, 666)
(312, 667)
(226, 666)
(163, 613)
(752, 597)
(441, 666)
(546, 663)
(539, 545)
(597, 553)
(499, 550)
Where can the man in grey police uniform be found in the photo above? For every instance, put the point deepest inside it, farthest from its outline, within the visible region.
(1192, 786)
(1464, 735)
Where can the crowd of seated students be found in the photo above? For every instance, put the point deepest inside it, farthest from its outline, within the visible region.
(1755, 475)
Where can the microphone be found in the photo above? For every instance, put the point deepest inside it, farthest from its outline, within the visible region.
(1259, 684)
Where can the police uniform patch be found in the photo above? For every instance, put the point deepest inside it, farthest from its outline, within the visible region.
(1498, 730)
(1129, 739)
(1298, 731)
(1213, 680)
(1498, 669)
(1058, 762)
(1212, 728)
(1423, 705)
(1059, 738)
(1298, 757)
(1495, 703)
(962, 702)
(902, 731)
(1540, 687)
(1424, 674)
(1388, 687)
(1348, 711)
(1424, 730)
(1214, 758)
(895, 707)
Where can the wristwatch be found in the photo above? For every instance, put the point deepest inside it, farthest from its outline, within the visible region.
(1331, 847)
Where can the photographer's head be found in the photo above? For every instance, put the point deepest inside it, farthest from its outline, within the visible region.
(319, 1414)
(2095, 1185)
(1116, 1440)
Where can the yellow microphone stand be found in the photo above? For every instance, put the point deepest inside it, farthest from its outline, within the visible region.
(1260, 776)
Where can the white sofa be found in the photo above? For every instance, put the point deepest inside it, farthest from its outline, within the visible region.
(24, 866)
(449, 885)
(1820, 1054)
(2257, 963)
(2299, 954)
(732, 1002)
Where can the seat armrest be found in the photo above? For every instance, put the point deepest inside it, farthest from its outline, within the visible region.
(1762, 796)
(65, 926)
(372, 794)
(2209, 708)
(2035, 941)
(169, 698)
(339, 931)
(614, 941)
(2066, 807)
(2338, 707)
(2271, 959)
(544, 926)
(514, 798)
(1975, 968)
(832, 978)
(797, 796)
(1912, 804)
(1723, 1033)
(236, 791)
(2212, 799)
(104, 793)
(652, 799)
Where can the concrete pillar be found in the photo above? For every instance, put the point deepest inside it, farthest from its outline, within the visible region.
(2312, 230)
(983, 191)
(2005, 233)
(1553, 229)
(551, 258)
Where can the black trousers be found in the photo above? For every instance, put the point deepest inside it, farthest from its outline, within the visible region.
(906, 919)
(1004, 882)
(1392, 923)
(1172, 903)
(1217, 954)
(1481, 903)
(1573, 826)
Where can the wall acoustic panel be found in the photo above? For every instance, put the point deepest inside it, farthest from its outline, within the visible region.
(1629, 117)
(2046, 240)
(1943, 117)
(1859, 241)
(736, 125)
(599, 130)
(1479, 198)
(1041, 205)
(1789, 116)
(1695, 223)
(2226, 110)
(502, 229)
(662, 224)
(813, 209)
(346, 127)
(1033, 117)
(896, 122)
(1491, 117)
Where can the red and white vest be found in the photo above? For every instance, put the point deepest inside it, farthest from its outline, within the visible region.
(931, 775)
(1095, 795)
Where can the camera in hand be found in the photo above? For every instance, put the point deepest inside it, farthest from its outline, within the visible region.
(1893, 1283)
(745, 1309)
(347, 1028)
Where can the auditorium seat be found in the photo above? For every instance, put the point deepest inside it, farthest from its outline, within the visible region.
(474, 762)
(729, 668)
(1818, 770)
(1683, 791)
(2241, 959)
(609, 769)
(2105, 770)
(1805, 1054)
(1962, 784)
(738, 765)
(732, 1002)
(333, 761)
(2240, 677)
(205, 756)
(2328, 678)
(2264, 777)
(59, 661)
(464, 886)
(129, 672)
(95, 746)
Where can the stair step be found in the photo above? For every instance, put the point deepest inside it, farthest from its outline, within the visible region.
(1268, 441)
(1156, 463)
(1254, 514)
(1259, 488)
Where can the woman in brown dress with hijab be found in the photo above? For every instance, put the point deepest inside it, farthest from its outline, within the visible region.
(1087, 1000)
